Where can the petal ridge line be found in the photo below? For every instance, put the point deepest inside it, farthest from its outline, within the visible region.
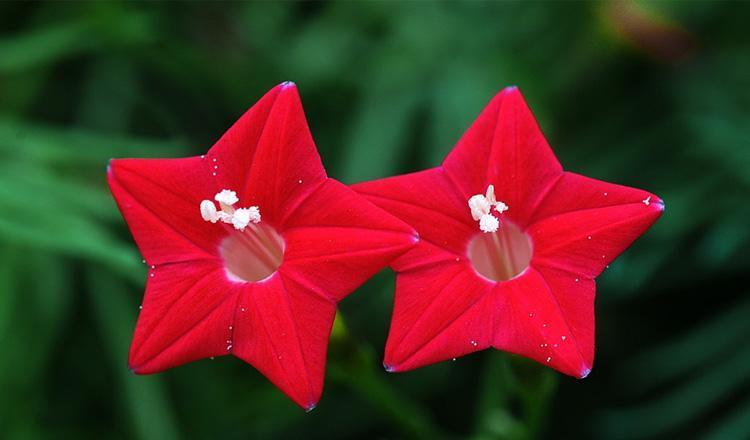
(443, 289)
(200, 280)
(352, 253)
(159, 219)
(308, 376)
(617, 224)
(405, 202)
(560, 310)
(186, 332)
(306, 285)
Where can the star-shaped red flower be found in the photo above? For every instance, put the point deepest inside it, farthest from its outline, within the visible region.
(259, 282)
(513, 270)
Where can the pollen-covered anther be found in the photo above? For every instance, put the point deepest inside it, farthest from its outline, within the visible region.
(226, 197)
(481, 206)
(208, 211)
(239, 218)
(244, 216)
(489, 223)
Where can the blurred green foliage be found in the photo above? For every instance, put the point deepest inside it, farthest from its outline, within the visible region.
(652, 95)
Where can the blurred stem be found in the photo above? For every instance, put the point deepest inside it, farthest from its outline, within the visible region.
(355, 364)
(511, 382)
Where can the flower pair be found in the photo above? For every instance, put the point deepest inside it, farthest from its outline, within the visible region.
(498, 247)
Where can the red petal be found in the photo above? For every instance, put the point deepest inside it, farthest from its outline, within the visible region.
(336, 240)
(187, 311)
(439, 312)
(429, 202)
(160, 200)
(548, 316)
(269, 156)
(595, 229)
(282, 329)
(505, 147)
(574, 192)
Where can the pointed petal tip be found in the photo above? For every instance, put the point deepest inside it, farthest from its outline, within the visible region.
(389, 368)
(510, 90)
(584, 373)
(287, 84)
(310, 407)
(660, 205)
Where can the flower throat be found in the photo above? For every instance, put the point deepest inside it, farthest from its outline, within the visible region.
(253, 250)
(501, 250)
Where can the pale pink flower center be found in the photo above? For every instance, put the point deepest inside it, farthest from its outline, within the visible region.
(500, 255)
(252, 254)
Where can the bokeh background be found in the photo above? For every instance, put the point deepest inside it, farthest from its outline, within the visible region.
(653, 95)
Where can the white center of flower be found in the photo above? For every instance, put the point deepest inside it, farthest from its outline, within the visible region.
(502, 255)
(240, 218)
(253, 251)
(482, 207)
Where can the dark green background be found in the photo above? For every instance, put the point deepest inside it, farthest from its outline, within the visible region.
(651, 95)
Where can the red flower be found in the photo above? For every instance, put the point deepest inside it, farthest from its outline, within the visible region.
(259, 275)
(509, 247)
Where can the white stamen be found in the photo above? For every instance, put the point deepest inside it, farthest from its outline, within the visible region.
(226, 197)
(239, 218)
(481, 206)
(501, 207)
(647, 201)
(225, 217)
(489, 223)
(243, 216)
(490, 194)
(208, 211)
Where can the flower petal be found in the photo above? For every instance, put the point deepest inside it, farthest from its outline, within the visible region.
(269, 156)
(440, 312)
(186, 314)
(585, 241)
(505, 147)
(160, 200)
(336, 240)
(282, 329)
(574, 192)
(429, 202)
(547, 315)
